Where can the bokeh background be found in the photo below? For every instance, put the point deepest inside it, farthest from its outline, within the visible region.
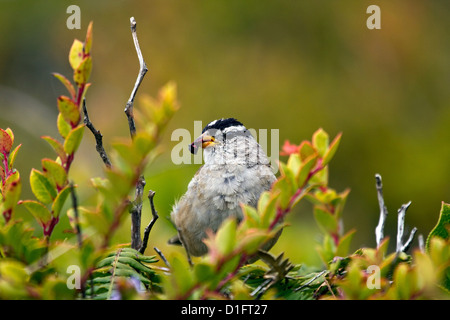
(290, 65)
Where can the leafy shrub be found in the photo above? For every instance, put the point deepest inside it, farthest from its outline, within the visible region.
(37, 268)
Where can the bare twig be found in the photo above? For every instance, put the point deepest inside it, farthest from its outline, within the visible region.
(142, 71)
(400, 229)
(98, 137)
(78, 228)
(136, 210)
(408, 243)
(379, 230)
(155, 217)
(163, 258)
(75, 209)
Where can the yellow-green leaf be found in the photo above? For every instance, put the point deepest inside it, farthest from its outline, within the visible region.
(306, 150)
(181, 275)
(41, 187)
(203, 271)
(267, 208)
(344, 244)
(12, 156)
(305, 169)
(252, 218)
(57, 146)
(63, 127)
(326, 221)
(294, 163)
(76, 54)
(82, 73)
(39, 211)
(332, 149)
(69, 110)
(320, 142)
(88, 41)
(59, 201)
(226, 236)
(73, 139)
(11, 191)
(54, 172)
(69, 86)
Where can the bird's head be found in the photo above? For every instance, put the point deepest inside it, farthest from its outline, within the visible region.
(218, 132)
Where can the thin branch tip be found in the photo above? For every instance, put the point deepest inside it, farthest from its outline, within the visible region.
(133, 22)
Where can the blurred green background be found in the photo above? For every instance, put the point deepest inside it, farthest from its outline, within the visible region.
(288, 65)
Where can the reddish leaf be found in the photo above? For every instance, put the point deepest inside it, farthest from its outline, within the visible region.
(5, 142)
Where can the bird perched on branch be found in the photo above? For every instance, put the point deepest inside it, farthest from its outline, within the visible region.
(236, 171)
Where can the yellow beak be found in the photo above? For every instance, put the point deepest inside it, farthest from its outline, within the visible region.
(204, 141)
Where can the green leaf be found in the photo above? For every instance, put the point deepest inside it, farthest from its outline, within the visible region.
(326, 251)
(82, 73)
(88, 41)
(63, 126)
(126, 151)
(267, 208)
(59, 201)
(344, 244)
(76, 54)
(442, 227)
(5, 142)
(254, 239)
(73, 139)
(39, 211)
(57, 146)
(320, 177)
(285, 171)
(181, 275)
(54, 172)
(305, 169)
(326, 221)
(203, 271)
(294, 163)
(252, 218)
(10, 194)
(69, 110)
(143, 143)
(284, 187)
(331, 150)
(226, 236)
(41, 187)
(320, 142)
(12, 156)
(66, 83)
(306, 150)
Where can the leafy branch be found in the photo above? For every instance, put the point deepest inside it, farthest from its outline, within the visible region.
(51, 185)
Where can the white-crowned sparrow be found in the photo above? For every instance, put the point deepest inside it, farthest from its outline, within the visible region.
(236, 170)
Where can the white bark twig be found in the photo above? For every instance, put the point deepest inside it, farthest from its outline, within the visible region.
(136, 209)
(142, 71)
(379, 230)
(401, 227)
